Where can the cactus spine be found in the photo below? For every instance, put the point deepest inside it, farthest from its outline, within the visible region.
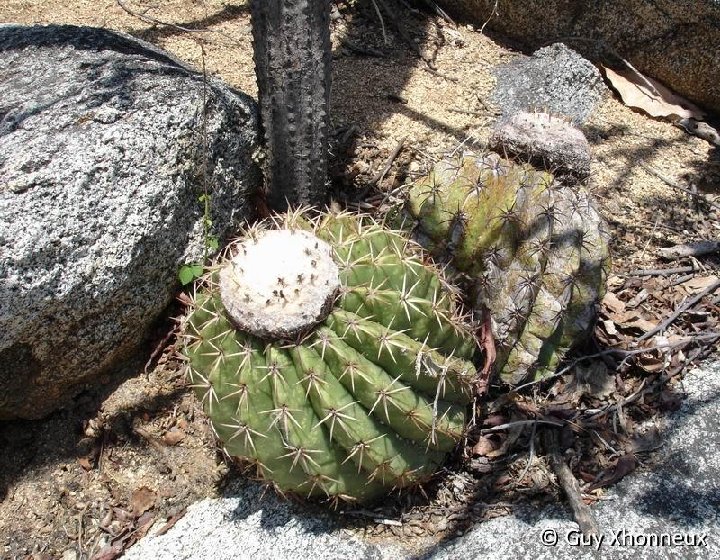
(534, 248)
(370, 393)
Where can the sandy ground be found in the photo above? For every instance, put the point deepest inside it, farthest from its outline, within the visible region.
(139, 450)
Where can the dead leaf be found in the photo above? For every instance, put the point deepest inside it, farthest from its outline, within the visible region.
(651, 363)
(624, 466)
(615, 281)
(639, 323)
(173, 436)
(613, 303)
(144, 523)
(495, 420)
(647, 441)
(85, 463)
(171, 522)
(610, 327)
(501, 481)
(649, 95)
(670, 400)
(141, 500)
(593, 379)
(484, 446)
(109, 552)
(586, 476)
(640, 297)
(699, 283)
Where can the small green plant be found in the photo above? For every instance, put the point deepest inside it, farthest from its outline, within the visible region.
(189, 272)
(192, 271)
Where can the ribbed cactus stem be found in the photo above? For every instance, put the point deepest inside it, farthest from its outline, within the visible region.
(534, 248)
(348, 404)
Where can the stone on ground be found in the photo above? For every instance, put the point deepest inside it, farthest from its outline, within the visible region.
(674, 41)
(104, 153)
(548, 141)
(555, 79)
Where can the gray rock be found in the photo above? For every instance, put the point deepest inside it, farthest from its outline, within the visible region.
(255, 524)
(554, 79)
(547, 141)
(679, 496)
(102, 157)
(674, 41)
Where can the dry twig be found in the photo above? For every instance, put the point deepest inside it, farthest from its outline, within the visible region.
(695, 249)
(675, 185)
(154, 21)
(581, 511)
(661, 271)
(680, 310)
(389, 161)
(517, 423)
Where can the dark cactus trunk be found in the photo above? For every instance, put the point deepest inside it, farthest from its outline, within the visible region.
(292, 60)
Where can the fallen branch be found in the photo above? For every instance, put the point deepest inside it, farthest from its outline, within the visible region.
(154, 21)
(680, 310)
(347, 135)
(626, 400)
(518, 423)
(660, 271)
(675, 185)
(531, 456)
(642, 390)
(389, 161)
(696, 249)
(700, 129)
(440, 74)
(682, 279)
(401, 30)
(382, 22)
(621, 352)
(581, 511)
(439, 11)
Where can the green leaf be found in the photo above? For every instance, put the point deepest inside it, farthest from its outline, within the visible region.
(188, 273)
(212, 243)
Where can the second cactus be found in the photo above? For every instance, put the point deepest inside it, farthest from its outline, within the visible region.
(534, 248)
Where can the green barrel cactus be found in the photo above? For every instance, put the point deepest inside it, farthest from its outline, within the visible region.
(331, 357)
(533, 248)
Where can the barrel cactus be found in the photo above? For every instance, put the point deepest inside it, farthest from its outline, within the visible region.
(331, 358)
(533, 248)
